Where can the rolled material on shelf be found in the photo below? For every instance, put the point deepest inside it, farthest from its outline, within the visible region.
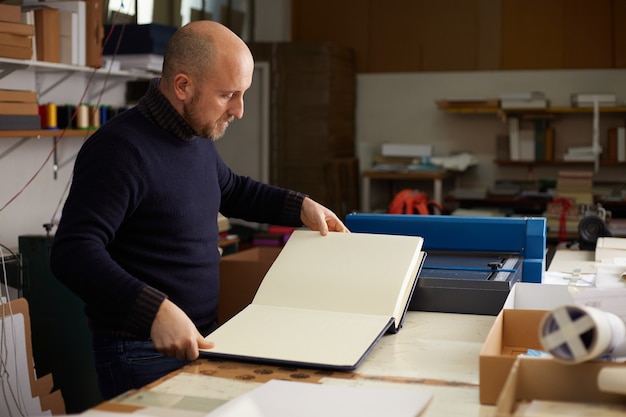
(612, 379)
(574, 334)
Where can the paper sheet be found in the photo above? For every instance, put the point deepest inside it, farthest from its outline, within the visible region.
(278, 398)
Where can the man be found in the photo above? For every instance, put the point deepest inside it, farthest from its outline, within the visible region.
(137, 240)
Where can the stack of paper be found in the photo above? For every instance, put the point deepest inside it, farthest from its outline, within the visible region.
(523, 100)
(278, 398)
(588, 99)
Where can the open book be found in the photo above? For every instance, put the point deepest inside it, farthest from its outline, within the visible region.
(325, 301)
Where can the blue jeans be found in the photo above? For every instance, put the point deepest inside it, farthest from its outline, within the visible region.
(123, 364)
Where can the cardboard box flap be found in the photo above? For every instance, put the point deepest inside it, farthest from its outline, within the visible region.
(547, 380)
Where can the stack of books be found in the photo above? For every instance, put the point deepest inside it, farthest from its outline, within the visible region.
(19, 110)
(16, 40)
(580, 153)
(574, 190)
(616, 145)
(575, 185)
(588, 99)
(524, 100)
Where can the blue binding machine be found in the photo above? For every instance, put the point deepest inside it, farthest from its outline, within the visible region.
(471, 262)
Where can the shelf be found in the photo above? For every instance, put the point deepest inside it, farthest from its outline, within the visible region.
(45, 133)
(546, 111)
(556, 162)
(8, 65)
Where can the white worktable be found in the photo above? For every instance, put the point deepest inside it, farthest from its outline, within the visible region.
(433, 352)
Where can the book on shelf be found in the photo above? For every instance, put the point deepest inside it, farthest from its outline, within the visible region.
(16, 28)
(94, 27)
(28, 18)
(9, 107)
(20, 122)
(80, 8)
(23, 96)
(15, 40)
(581, 153)
(574, 174)
(16, 52)
(621, 144)
(538, 103)
(48, 34)
(69, 37)
(522, 95)
(548, 143)
(588, 99)
(514, 138)
(144, 62)
(490, 103)
(581, 150)
(325, 301)
(577, 185)
(10, 13)
(527, 144)
(503, 148)
(611, 144)
(541, 140)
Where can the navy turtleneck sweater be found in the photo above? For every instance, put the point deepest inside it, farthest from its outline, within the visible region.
(140, 221)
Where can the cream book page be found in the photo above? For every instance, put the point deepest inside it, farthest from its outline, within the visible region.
(298, 336)
(351, 272)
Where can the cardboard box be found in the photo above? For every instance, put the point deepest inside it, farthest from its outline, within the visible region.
(48, 34)
(10, 13)
(240, 276)
(547, 380)
(515, 330)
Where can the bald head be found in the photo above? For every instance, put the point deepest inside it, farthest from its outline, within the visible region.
(198, 46)
(206, 71)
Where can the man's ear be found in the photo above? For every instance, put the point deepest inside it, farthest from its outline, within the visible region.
(182, 87)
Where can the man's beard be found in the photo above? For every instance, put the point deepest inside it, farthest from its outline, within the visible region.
(212, 131)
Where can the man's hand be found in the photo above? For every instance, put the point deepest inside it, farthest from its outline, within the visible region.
(317, 217)
(174, 334)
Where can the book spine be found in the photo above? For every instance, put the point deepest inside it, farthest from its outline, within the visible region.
(540, 139)
(20, 122)
(549, 140)
(621, 144)
(95, 33)
(23, 96)
(18, 108)
(17, 28)
(514, 140)
(15, 52)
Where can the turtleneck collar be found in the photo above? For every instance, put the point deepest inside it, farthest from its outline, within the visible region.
(157, 108)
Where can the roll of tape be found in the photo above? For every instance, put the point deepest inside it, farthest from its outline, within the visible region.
(574, 334)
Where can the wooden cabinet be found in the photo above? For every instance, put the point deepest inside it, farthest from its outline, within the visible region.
(312, 121)
(466, 35)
